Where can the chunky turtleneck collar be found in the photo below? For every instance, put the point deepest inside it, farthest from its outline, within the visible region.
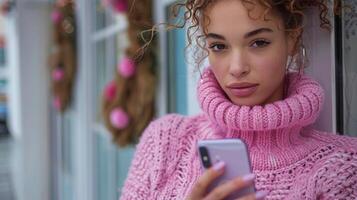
(275, 130)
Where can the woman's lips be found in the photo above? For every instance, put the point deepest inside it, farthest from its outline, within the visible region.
(242, 89)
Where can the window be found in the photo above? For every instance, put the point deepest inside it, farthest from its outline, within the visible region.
(177, 69)
(346, 70)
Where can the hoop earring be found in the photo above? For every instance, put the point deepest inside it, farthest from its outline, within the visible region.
(302, 60)
(289, 64)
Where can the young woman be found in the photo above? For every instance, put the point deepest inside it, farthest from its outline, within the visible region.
(251, 93)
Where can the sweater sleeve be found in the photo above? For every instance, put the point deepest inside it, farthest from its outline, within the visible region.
(338, 177)
(140, 182)
(137, 183)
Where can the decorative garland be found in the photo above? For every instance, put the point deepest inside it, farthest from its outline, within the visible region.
(63, 61)
(129, 100)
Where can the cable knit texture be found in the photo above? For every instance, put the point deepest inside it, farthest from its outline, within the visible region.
(290, 159)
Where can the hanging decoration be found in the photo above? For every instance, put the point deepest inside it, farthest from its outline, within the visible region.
(63, 61)
(6, 6)
(129, 100)
(119, 6)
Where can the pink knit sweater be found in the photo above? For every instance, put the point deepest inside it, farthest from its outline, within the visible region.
(291, 161)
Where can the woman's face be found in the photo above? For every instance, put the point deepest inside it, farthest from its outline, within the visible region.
(248, 56)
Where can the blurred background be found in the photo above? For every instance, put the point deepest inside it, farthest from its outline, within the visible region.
(75, 94)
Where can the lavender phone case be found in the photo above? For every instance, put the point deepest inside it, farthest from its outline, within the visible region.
(235, 155)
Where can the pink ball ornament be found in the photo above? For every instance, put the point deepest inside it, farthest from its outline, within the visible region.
(119, 119)
(110, 91)
(56, 16)
(120, 5)
(127, 67)
(57, 74)
(57, 103)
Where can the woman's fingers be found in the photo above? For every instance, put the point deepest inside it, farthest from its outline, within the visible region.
(231, 186)
(200, 188)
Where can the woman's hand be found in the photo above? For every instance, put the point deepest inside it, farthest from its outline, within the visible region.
(220, 192)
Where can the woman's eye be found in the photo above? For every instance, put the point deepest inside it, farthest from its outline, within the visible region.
(217, 47)
(260, 43)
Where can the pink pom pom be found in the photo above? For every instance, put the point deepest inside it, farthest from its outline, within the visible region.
(119, 119)
(120, 5)
(58, 74)
(127, 67)
(56, 16)
(110, 91)
(57, 103)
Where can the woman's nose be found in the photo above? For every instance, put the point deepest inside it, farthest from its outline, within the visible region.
(238, 64)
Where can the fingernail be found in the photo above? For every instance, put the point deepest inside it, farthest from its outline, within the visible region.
(218, 166)
(261, 194)
(248, 177)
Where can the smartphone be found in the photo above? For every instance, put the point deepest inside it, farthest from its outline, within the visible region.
(234, 153)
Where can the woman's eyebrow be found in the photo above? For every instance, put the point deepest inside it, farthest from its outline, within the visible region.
(215, 36)
(257, 31)
(247, 35)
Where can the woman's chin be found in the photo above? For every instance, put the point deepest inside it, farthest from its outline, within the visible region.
(255, 99)
(246, 101)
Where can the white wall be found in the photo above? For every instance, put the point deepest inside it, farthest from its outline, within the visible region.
(13, 80)
(320, 49)
(29, 40)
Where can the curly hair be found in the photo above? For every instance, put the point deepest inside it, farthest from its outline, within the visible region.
(291, 11)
